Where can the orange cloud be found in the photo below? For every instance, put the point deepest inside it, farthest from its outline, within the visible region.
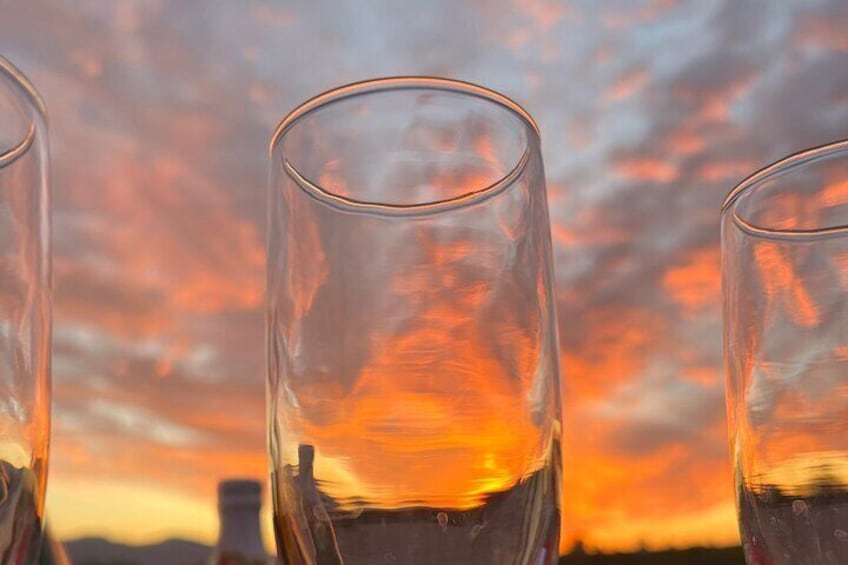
(822, 31)
(205, 273)
(544, 14)
(605, 491)
(704, 376)
(696, 284)
(613, 344)
(647, 169)
(614, 458)
(834, 194)
(146, 439)
(782, 285)
(714, 102)
(647, 12)
(728, 171)
(841, 262)
(627, 85)
(685, 143)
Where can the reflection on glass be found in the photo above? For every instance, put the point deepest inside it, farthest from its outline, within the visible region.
(24, 317)
(413, 379)
(785, 283)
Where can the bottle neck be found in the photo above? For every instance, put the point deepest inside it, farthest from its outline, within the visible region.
(240, 533)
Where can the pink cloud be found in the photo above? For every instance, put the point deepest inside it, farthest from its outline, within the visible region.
(647, 169)
(627, 85)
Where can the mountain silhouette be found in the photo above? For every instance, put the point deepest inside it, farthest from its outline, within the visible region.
(98, 551)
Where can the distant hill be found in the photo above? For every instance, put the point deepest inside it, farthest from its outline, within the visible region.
(98, 551)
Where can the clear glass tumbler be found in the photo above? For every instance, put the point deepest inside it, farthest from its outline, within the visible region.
(413, 389)
(785, 284)
(24, 317)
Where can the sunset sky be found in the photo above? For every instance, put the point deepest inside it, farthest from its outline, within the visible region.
(160, 117)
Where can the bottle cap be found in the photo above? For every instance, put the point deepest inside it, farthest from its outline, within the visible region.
(239, 493)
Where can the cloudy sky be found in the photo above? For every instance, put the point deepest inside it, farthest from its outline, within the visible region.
(160, 116)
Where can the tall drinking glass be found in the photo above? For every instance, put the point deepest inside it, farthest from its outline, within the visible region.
(24, 317)
(785, 281)
(413, 393)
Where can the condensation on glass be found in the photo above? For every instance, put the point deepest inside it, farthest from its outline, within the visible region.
(24, 317)
(785, 284)
(413, 389)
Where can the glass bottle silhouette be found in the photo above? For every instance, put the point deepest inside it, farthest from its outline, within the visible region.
(240, 539)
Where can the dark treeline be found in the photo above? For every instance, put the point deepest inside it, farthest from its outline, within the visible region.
(694, 556)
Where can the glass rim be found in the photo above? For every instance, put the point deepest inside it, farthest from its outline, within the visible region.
(792, 161)
(394, 83)
(24, 88)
